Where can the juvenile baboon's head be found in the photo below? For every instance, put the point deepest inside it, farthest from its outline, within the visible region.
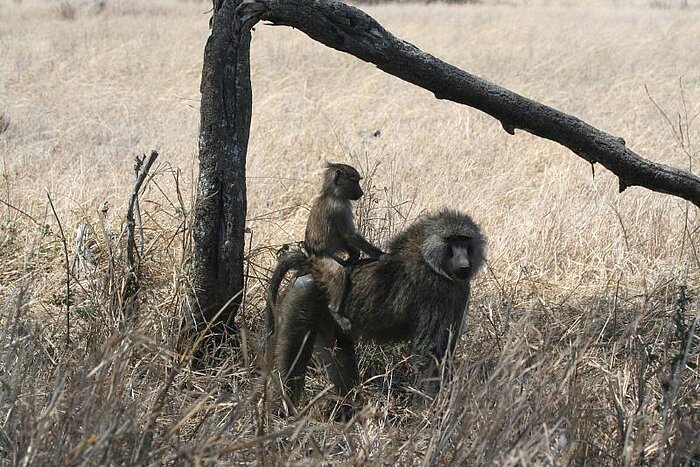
(342, 181)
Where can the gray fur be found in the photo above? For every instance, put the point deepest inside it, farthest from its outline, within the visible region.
(417, 292)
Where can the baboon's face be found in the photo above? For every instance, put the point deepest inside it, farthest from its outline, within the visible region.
(348, 184)
(457, 261)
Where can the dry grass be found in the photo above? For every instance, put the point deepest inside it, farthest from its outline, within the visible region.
(581, 344)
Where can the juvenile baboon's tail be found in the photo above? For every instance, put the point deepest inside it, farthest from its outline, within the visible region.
(295, 259)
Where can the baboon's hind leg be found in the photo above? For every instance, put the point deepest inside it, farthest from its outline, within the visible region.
(337, 352)
(293, 350)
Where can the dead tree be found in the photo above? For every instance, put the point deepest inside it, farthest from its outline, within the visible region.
(220, 211)
(349, 30)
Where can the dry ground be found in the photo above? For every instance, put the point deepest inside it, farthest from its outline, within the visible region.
(581, 343)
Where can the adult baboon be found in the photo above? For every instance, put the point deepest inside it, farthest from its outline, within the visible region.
(418, 291)
(330, 232)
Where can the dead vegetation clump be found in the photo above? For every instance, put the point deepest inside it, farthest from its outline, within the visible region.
(539, 377)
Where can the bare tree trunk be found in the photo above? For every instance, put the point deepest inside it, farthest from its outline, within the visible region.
(350, 30)
(221, 192)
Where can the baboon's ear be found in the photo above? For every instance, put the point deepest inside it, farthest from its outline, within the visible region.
(338, 173)
(433, 249)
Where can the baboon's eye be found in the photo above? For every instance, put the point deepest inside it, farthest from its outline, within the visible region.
(450, 253)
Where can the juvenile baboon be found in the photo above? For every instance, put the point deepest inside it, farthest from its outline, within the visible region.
(330, 232)
(418, 291)
(330, 229)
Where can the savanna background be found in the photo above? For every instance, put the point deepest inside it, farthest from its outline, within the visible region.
(581, 344)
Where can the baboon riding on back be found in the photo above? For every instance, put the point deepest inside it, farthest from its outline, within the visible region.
(417, 292)
(330, 232)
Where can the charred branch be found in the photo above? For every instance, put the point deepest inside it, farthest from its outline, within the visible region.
(350, 30)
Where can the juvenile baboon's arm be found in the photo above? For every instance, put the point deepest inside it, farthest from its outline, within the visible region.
(358, 242)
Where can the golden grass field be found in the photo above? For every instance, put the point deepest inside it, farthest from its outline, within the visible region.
(580, 346)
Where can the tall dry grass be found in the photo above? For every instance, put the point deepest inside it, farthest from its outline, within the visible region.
(581, 343)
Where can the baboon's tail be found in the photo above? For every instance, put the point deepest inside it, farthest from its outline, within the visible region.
(295, 259)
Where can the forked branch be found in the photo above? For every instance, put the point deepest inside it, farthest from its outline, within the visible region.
(141, 168)
(350, 30)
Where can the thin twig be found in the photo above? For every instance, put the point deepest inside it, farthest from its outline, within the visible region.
(65, 252)
(138, 163)
(20, 211)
